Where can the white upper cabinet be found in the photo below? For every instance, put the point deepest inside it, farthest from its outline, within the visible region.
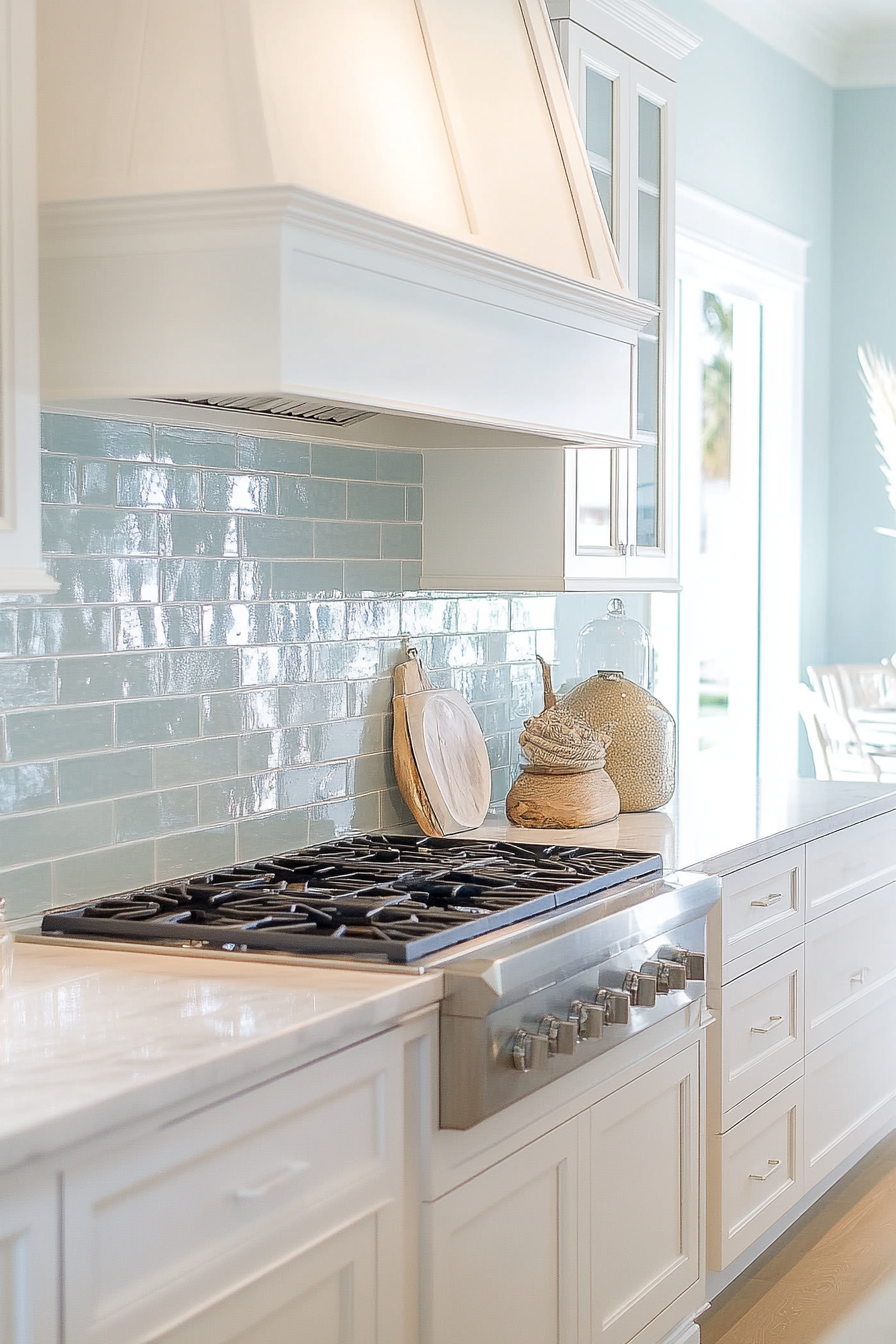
(591, 518)
(21, 568)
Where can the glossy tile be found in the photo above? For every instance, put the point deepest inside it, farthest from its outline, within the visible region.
(52, 630)
(273, 833)
(327, 620)
(273, 750)
(88, 580)
(411, 575)
(394, 811)
(345, 661)
(278, 537)
(312, 703)
(83, 531)
(369, 774)
(429, 615)
(200, 580)
(204, 534)
(372, 619)
(414, 504)
(312, 784)
(350, 464)
(239, 492)
(26, 682)
(121, 676)
(90, 876)
(59, 479)
(240, 712)
(25, 788)
(255, 580)
(335, 819)
(86, 436)
(385, 503)
(308, 497)
(482, 613)
(108, 775)
(36, 836)
(309, 578)
(157, 627)
(98, 482)
(347, 540)
(347, 738)
(230, 799)
(158, 487)
(394, 465)
(150, 721)
(403, 541)
(196, 762)
(26, 890)
(195, 852)
(156, 813)
(191, 671)
(532, 613)
(370, 696)
(31, 735)
(377, 578)
(194, 447)
(274, 664)
(9, 625)
(235, 623)
(260, 454)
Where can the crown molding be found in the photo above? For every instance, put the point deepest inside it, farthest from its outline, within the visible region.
(618, 20)
(842, 51)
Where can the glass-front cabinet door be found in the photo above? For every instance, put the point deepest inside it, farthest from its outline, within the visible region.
(621, 502)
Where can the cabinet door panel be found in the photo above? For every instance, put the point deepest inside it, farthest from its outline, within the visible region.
(759, 1031)
(850, 963)
(29, 1274)
(845, 864)
(850, 1090)
(327, 1295)
(645, 1176)
(759, 904)
(502, 1250)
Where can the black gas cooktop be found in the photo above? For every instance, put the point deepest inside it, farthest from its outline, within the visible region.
(396, 897)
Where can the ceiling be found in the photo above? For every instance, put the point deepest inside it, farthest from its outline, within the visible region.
(847, 43)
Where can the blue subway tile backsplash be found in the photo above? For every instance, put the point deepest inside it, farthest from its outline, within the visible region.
(213, 678)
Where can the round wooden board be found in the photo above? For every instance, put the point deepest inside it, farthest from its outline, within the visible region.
(451, 758)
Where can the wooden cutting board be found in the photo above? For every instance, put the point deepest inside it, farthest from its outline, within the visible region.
(441, 762)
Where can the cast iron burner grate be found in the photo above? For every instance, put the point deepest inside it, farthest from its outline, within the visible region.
(391, 896)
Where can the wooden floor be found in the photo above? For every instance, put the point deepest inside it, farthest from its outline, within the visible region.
(832, 1278)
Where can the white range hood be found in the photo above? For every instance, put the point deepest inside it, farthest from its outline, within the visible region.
(375, 215)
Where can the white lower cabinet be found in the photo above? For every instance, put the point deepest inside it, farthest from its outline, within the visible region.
(850, 1090)
(325, 1295)
(589, 1233)
(29, 1262)
(501, 1257)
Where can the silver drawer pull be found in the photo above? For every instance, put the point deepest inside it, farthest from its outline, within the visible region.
(773, 1163)
(289, 1173)
(774, 1021)
(771, 899)
(860, 976)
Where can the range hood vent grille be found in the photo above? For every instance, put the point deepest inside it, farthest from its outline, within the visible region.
(319, 412)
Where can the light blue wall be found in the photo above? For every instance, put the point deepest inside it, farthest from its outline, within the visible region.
(756, 130)
(862, 583)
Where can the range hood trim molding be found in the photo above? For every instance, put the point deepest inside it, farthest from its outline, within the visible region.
(238, 292)
(92, 227)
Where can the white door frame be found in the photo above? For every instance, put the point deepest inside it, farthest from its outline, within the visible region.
(747, 256)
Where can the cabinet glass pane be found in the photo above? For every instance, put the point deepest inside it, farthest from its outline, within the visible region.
(647, 503)
(648, 247)
(598, 131)
(649, 143)
(648, 379)
(595, 499)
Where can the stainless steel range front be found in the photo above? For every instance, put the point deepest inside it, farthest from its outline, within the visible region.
(552, 954)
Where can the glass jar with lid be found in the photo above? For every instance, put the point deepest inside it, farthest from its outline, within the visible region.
(615, 643)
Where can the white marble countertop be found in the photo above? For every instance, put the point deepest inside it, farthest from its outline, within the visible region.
(721, 828)
(91, 1040)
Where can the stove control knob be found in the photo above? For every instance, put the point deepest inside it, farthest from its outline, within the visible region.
(588, 1019)
(641, 988)
(562, 1036)
(529, 1052)
(669, 975)
(616, 1004)
(694, 963)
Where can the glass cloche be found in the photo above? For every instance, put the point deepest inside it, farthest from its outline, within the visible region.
(615, 643)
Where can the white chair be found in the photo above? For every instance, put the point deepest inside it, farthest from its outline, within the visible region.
(866, 694)
(838, 751)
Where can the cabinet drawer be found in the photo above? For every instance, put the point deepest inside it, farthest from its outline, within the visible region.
(759, 904)
(211, 1200)
(850, 1090)
(847, 863)
(850, 963)
(755, 1175)
(759, 1031)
